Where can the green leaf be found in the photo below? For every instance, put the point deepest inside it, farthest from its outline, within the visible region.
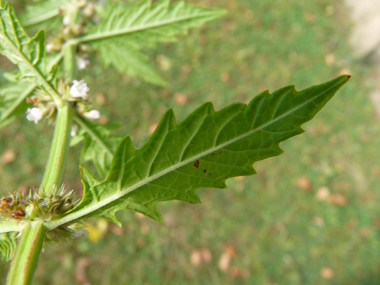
(99, 145)
(203, 151)
(28, 53)
(13, 101)
(127, 29)
(7, 245)
(126, 58)
(45, 14)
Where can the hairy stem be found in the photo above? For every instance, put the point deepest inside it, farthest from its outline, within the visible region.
(57, 158)
(55, 166)
(27, 252)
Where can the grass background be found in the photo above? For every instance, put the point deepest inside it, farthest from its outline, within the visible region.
(271, 227)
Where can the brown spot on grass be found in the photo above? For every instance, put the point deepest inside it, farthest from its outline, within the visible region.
(196, 164)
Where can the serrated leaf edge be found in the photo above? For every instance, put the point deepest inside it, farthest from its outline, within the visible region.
(122, 192)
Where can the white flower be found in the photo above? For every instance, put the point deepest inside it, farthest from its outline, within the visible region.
(79, 89)
(74, 130)
(82, 62)
(89, 10)
(93, 114)
(34, 114)
(66, 31)
(66, 20)
(49, 47)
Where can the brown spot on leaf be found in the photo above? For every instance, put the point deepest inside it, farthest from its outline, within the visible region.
(196, 164)
(204, 171)
(216, 153)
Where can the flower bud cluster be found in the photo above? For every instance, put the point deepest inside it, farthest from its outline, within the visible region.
(44, 106)
(75, 17)
(38, 205)
(78, 94)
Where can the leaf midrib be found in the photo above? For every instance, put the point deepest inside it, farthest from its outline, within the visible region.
(123, 192)
(36, 72)
(120, 32)
(94, 136)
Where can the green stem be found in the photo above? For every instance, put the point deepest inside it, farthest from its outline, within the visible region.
(70, 65)
(27, 252)
(57, 158)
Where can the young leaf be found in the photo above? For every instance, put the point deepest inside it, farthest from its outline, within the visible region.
(203, 151)
(7, 245)
(28, 53)
(13, 100)
(126, 58)
(46, 14)
(99, 145)
(121, 35)
(8, 231)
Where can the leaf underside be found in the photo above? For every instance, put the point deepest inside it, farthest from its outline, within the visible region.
(122, 34)
(7, 245)
(203, 151)
(28, 53)
(45, 14)
(99, 144)
(13, 101)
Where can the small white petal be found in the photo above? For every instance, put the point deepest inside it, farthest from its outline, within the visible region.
(49, 47)
(66, 20)
(93, 114)
(82, 62)
(66, 31)
(79, 89)
(89, 10)
(34, 114)
(74, 130)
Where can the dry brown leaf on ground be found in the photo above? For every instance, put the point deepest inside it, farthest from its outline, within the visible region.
(8, 156)
(80, 270)
(180, 98)
(202, 256)
(304, 183)
(327, 272)
(323, 194)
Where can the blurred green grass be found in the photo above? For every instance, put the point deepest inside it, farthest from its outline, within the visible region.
(274, 231)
